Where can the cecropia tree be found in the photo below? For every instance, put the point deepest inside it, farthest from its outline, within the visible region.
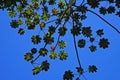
(52, 17)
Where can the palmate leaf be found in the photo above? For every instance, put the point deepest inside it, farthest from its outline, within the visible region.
(21, 31)
(33, 50)
(103, 43)
(62, 44)
(62, 31)
(93, 48)
(28, 56)
(53, 55)
(45, 65)
(92, 69)
(63, 55)
(81, 43)
(111, 9)
(36, 70)
(43, 51)
(12, 14)
(14, 24)
(36, 39)
(93, 3)
(103, 10)
(100, 32)
(86, 31)
(48, 39)
(68, 75)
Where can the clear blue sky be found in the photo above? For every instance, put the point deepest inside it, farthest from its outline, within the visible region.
(13, 47)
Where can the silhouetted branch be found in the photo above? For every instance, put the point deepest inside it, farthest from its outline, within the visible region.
(37, 56)
(76, 48)
(105, 21)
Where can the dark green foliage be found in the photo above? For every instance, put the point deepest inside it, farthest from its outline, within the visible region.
(92, 68)
(62, 44)
(82, 9)
(100, 32)
(48, 39)
(51, 29)
(92, 39)
(63, 55)
(38, 14)
(81, 43)
(62, 31)
(80, 70)
(92, 48)
(76, 30)
(14, 24)
(34, 50)
(36, 70)
(68, 75)
(93, 3)
(43, 51)
(45, 65)
(86, 31)
(28, 56)
(103, 10)
(52, 2)
(36, 39)
(111, 9)
(21, 31)
(104, 43)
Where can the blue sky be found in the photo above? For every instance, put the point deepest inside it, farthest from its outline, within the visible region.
(13, 46)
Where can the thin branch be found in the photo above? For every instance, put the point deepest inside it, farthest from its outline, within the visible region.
(37, 56)
(76, 49)
(51, 21)
(105, 21)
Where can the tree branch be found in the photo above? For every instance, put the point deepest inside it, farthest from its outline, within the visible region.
(104, 21)
(76, 48)
(37, 56)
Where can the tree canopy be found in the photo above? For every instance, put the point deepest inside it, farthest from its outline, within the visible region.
(52, 17)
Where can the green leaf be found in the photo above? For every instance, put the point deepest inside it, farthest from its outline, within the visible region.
(68, 75)
(12, 14)
(93, 3)
(36, 70)
(76, 30)
(33, 50)
(81, 43)
(43, 51)
(103, 43)
(36, 39)
(92, 69)
(45, 65)
(63, 55)
(92, 48)
(53, 55)
(45, 16)
(52, 2)
(86, 31)
(80, 70)
(103, 10)
(111, 9)
(62, 44)
(100, 32)
(28, 56)
(62, 31)
(48, 39)
(14, 24)
(21, 31)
